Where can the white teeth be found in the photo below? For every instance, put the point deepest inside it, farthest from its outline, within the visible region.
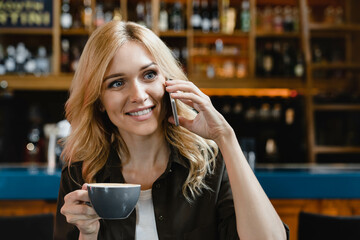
(139, 113)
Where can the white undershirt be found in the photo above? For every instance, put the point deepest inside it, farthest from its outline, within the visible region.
(145, 217)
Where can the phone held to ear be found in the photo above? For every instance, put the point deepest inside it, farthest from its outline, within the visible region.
(174, 110)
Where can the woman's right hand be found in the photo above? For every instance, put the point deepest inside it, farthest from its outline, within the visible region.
(80, 214)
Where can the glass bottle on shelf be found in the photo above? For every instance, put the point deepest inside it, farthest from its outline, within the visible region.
(65, 55)
(20, 59)
(299, 69)
(148, 20)
(10, 63)
(140, 13)
(196, 17)
(2, 63)
(205, 17)
(267, 18)
(215, 22)
(163, 18)
(76, 57)
(176, 17)
(287, 60)
(278, 19)
(245, 16)
(267, 60)
(66, 20)
(42, 62)
(288, 19)
(87, 14)
(99, 15)
(339, 15)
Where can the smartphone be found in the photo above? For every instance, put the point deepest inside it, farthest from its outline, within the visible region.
(174, 110)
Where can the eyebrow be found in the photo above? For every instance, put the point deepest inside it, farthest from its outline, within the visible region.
(122, 74)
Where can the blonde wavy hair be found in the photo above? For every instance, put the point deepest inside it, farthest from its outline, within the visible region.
(93, 134)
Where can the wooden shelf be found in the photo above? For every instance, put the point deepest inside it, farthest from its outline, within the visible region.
(75, 31)
(332, 27)
(318, 66)
(337, 107)
(31, 82)
(247, 92)
(26, 31)
(236, 33)
(270, 83)
(261, 34)
(336, 149)
(173, 34)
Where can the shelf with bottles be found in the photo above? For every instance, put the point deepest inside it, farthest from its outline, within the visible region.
(20, 55)
(277, 18)
(26, 31)
(172, 18)
(140, 11)
(82, 17)
(277, 58)
(31, 82)
(270, 122)
(337, 127)
(71, 49)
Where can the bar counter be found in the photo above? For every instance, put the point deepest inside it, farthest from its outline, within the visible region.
(278, 181)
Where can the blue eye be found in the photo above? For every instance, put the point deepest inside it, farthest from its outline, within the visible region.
(150, 75)
(116, 84)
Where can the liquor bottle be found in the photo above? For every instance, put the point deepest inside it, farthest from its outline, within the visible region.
(99, 15)
(21, 55)
(163, 18)
(75, 58)
(267, 60)
(299, 69)
(215, 22)
(87, 14)
(288, 60)
(245, 16)
(278, 19)
(65, 55)
(10, 63)
(34, 149)
(140, 13)
(66, 20)
(2, 63)
(148, 20)
(196, 17)
(288, 19)
(278, 68)
(205, 17)
(42, 62)
(176, 17)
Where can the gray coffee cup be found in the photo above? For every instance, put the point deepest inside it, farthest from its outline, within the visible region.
(113, 200)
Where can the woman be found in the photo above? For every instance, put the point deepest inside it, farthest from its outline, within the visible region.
(122, 131)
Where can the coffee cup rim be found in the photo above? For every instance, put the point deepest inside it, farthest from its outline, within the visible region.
(113, 185)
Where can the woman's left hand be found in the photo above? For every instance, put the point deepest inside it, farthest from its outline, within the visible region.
(208, 123)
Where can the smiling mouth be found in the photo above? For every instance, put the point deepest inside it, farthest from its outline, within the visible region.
(140, 113)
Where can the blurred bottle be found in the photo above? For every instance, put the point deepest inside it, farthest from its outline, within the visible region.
(66, 20)
(65, 55)
(87, 14)
(176, 19)
(10, 62)
(34, 148)
(278, 23)
(245, 16)
(140, 13)
(196, 17)
(99, 15)
(215, 21)
(288, 19)
(2, 62)
(205, 17)
(163, 18)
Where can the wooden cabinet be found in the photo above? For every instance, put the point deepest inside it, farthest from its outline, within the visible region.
(205, 66)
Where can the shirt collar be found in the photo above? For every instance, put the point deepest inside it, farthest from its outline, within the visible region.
(111, 172)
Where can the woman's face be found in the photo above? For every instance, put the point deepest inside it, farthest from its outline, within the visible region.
(132, 91)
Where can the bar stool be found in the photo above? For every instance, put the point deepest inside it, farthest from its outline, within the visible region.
(37, 227)
(323, 227)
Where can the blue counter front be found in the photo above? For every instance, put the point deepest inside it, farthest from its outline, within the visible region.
(22, 183)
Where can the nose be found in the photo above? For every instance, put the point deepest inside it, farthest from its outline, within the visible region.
(138, 92)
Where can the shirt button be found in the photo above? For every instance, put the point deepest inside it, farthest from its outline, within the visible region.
(157, 185)
(161, 218)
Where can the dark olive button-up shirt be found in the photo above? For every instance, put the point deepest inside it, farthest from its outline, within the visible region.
(209, 216)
